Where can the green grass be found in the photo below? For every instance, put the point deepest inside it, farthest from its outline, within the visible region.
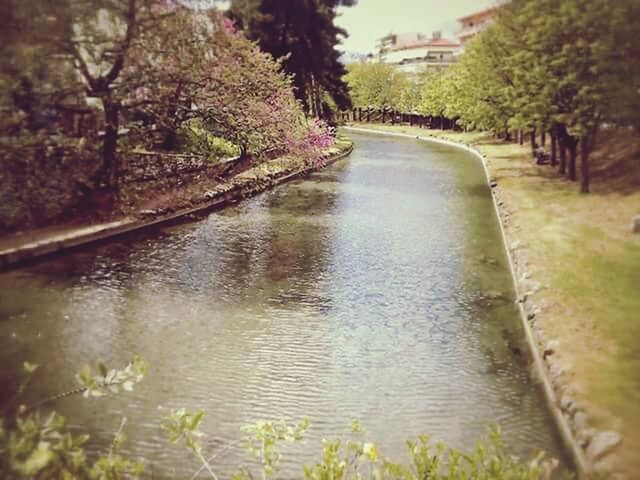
(604, 284)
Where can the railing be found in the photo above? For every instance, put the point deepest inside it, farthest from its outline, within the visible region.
(393, 117)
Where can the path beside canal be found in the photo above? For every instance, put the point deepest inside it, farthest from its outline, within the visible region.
(195, 198)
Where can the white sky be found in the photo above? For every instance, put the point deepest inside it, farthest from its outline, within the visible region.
(372, 19)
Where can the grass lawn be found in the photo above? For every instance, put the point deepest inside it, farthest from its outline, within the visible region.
(581, 250)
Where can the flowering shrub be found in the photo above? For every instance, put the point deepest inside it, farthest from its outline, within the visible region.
(197, 66)
(316, 138)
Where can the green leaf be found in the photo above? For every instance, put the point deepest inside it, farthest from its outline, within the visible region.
(38, 460)
(29, 367)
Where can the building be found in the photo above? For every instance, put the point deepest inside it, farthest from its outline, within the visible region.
(474, 23)
(413, 52)
(395, 41)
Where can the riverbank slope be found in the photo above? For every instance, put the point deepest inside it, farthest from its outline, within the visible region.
(579, 264)
(203, 194)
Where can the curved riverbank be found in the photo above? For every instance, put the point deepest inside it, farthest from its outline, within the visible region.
(541, 371)
(243, 185)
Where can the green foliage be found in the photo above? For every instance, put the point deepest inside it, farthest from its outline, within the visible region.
(356, 459)
(348, 462)
(564, 68)
(434, 95)
(193, 138)
(34, 445)
(106, 381)
(304, 36)
(264, 438)
(377, 85)
(148, 67)
(182, 426)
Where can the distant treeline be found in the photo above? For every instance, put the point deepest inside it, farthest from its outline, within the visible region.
(392, 116)
(563, 69)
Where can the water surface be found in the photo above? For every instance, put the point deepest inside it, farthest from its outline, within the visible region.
(375, 290)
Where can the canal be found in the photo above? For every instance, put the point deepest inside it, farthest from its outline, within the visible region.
(376, 289)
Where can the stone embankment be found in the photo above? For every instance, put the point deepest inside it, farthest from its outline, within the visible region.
(588, 446)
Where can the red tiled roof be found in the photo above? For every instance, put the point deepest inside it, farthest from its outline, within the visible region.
(464, 34)
(440, 42)
(481, 13)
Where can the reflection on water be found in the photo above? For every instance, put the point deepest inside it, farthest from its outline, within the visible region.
(374, 290)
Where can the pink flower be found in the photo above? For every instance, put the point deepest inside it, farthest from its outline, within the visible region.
(229, 25)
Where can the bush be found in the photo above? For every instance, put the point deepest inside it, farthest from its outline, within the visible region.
(44, 177)
(193, 138)
(38, 446)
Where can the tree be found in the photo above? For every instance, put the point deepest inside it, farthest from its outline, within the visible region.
(304, 36)
(434, 95)
(195, 65)
(86, 44)
(563, 67)
(99, 37)
(153, 63)
(377, 85)
(34, 77)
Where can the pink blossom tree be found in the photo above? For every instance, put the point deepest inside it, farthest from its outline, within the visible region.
(195, 65)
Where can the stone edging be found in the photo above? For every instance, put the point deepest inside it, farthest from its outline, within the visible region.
(562, 422)
(217, 200)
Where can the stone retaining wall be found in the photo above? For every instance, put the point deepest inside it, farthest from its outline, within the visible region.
(144, 166)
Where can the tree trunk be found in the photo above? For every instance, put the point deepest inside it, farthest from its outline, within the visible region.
(533, 141)
(543, 138)
(383, 114)
(311, 104)
(571, 166)
(110, 145)
(584, 164)
(243, 152)
(554, 142)
(314, 94)
(520, 137)
(569, 143)
(562, 169)
(318, 97)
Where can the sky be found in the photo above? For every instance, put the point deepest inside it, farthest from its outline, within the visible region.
(372, 19)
